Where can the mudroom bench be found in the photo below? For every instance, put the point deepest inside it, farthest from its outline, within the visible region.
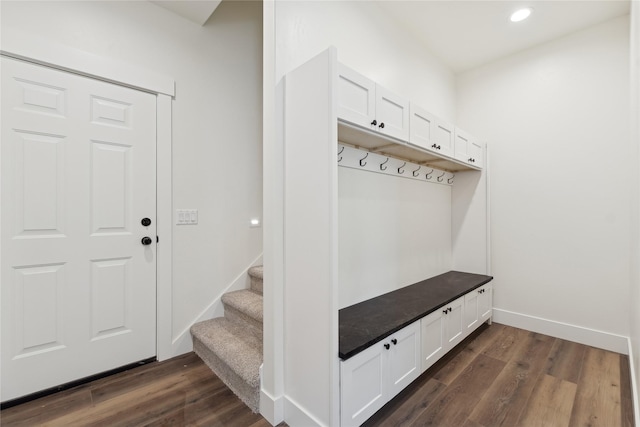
(386, 342)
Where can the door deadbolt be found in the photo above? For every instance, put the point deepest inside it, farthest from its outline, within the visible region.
(146, 222)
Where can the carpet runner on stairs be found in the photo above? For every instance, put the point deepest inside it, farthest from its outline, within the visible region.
(232, 345)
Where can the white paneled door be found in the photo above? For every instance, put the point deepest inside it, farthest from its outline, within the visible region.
(78, 277)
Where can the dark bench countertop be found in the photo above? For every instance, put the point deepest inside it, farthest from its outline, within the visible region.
(370, 321)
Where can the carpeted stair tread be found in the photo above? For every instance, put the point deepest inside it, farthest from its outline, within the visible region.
(245, 301)
(257, 272)
(219, 337)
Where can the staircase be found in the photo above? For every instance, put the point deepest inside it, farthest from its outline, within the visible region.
(232, 345)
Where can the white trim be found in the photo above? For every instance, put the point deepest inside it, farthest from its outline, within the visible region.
(579, 334)
(45, 52)
(635, 393)
(164, 228)
(183, 343)
(295, 415)
(271, 408)
(487, 185)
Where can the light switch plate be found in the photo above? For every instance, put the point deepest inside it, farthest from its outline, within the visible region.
(186, 216)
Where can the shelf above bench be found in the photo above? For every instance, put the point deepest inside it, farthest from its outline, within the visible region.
(376, 142)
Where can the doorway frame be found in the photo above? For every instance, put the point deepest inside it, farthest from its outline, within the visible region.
(40, 51)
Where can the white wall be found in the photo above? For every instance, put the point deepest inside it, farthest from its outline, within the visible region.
(217, 114)
(392, 232)
(557, 120)
(369, 42)
(634, 301)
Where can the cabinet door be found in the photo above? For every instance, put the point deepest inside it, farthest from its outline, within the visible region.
(392, 114)
(356, 97)
(404, 358)
(362, 385)
(475, 151)
(443, 137)
(468, 149)
(433, 340)
(472, 310)
(455, 323)
(461, 147)
(485, 303)
(421, 128)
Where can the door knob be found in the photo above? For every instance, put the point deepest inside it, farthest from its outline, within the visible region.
(146, 240)
(146, 222)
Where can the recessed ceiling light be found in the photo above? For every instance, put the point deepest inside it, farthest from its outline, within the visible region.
(520, 15)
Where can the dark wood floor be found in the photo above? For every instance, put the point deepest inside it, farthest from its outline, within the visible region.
(503, 376)
(178, 392)
(499, 376)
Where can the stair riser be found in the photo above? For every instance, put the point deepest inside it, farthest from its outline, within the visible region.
(248, 394)
(252, 326)
(256, 285)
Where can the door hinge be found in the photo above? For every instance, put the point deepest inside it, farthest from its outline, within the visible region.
(157, 239)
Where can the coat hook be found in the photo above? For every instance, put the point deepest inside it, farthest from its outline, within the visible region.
(340, 152)
(428, 175)
(363, 164)
(450, 180)
(415, 172)
(440, 177)
(399, 171)
(384, 168)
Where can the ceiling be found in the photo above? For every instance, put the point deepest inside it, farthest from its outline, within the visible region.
(467, 34)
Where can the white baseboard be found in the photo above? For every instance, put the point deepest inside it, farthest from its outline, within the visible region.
(635, 393)
(183, 343)
(272, 408)
(295, 415)
(579, 334)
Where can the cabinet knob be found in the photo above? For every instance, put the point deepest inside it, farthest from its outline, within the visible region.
(449, 309)
(381, 125)
(394, 341)
(387, 346)
(438, 147)
(434, 146)
(444, 311)
(373, 123)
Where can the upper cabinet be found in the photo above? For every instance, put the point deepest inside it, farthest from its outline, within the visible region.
(356, 98)
(363, 102)
(429, 132)
(372, 117)
(468, 149)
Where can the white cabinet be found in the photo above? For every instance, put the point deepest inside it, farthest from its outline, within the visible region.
(429, 132)
(404, 358)
(356, 97)
(477, 307)
(392, 113)
(363, 102)
(467, 149)
(485, 303)
(374, 376)
(442, 330)
(434, 345)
